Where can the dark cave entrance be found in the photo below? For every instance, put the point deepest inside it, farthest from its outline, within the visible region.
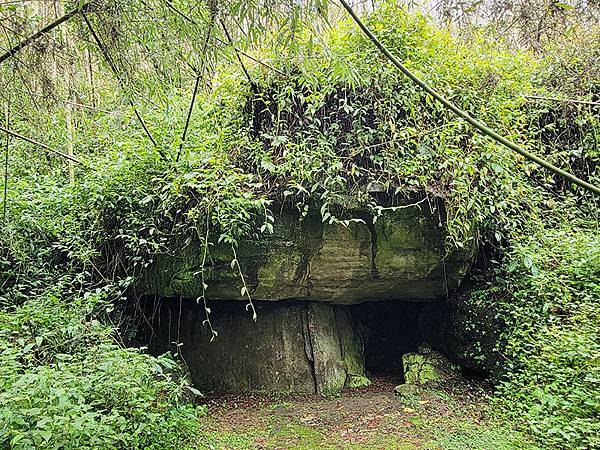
(394, 328)
(294, 346)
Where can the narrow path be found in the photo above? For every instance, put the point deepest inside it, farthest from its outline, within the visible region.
(452, 416)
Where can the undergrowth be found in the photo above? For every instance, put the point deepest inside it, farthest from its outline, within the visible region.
(553, 350)
(339, 125)
(65, 383)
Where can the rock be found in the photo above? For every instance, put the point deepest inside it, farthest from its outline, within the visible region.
(399, 257)
(313, 345)
(357, 382)
(474, 330)
(407, 393)
(298, 348)
(426, 366)
(466, 327)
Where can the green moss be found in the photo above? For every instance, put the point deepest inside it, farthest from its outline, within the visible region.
(475, 437)
(316, 261)
(357, 382)
(424, 368)
(407, 393)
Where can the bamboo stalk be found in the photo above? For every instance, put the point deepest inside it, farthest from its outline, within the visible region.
(39, 144)
(196, 85)
(24, 43)
(465, 115)
(121, 82)
(566, 100)
(7, 121)
(70, 144)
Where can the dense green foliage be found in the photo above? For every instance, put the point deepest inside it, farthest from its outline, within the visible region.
(340, 122)
(66, 384)
(534, 324)
(553, 366)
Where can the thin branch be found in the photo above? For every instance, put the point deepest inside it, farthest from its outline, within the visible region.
(82, 105)
(24, 43)
(216, 38)
(256, 60)
(18, 70)
(39, 144)
(179, 12)
(566, 100)
(91, 108)
(113, 67)
(252, 84)
(196, 84)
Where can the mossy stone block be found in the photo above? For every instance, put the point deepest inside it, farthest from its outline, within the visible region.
(400, 256)
(357, 382)
(292, 348)
(422, 368)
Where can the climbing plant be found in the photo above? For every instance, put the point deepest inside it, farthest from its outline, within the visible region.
(328, 125)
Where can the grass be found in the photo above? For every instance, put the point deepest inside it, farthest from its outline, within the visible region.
(441, 417)
(478, 437)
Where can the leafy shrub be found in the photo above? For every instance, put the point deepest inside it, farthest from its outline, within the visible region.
(543, 306)
(553, 343)
(65, 384)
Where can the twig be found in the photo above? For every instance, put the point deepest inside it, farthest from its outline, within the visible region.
(179, 12)
(24, 43)
(81, 105)
(39, 144)
(256, 60)
(567, 100)
(91, 108)
(18, 70)
(410, 205)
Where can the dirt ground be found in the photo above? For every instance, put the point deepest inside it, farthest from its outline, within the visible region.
(451, 416)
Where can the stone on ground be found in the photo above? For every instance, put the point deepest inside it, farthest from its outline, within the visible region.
(426, 366)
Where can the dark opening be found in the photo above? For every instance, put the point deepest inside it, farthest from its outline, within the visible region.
(395, 328)
(389, 328)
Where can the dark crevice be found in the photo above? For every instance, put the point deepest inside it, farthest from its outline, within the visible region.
(392, 329)
(372, 232)
(308, 347)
